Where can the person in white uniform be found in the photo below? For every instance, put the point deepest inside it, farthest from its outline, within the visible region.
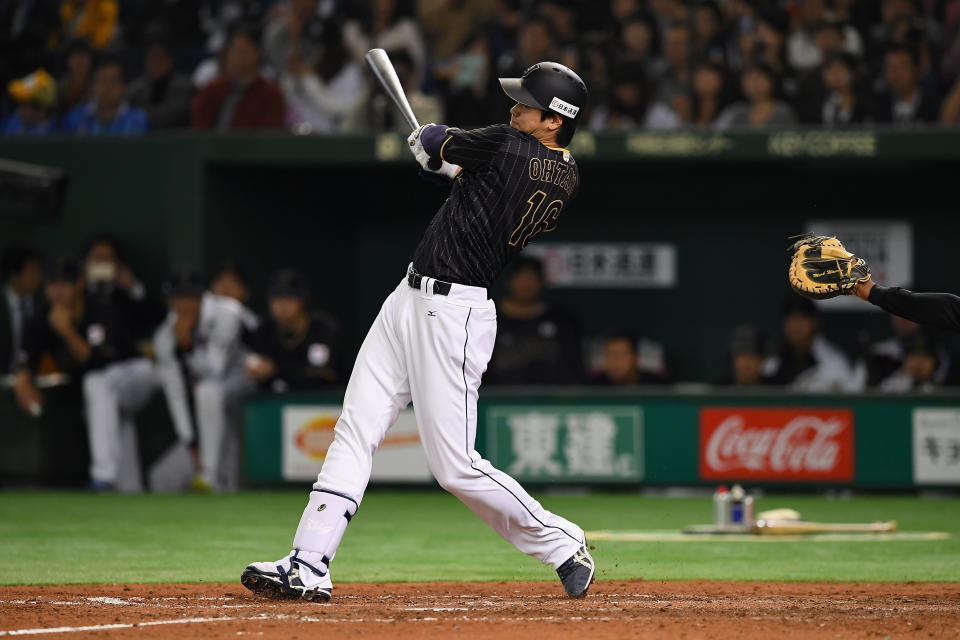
(434, 336)
(200, 364)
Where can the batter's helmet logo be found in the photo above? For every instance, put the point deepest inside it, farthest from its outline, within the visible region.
(321, 507)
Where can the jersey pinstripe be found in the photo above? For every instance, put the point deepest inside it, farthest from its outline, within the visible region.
(512, 188)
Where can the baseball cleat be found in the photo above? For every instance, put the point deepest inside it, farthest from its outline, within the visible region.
(576, 574)
(290, 578)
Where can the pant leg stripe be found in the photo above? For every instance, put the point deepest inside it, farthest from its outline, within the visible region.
(466, 425)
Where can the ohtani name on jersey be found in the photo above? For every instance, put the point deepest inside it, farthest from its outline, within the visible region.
(553, 171)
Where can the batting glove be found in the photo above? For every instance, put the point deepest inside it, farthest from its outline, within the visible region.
(416, 147)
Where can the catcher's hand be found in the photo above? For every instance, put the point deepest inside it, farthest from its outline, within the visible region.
(821, 268)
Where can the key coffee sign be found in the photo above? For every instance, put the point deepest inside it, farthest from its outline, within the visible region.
(777, 444)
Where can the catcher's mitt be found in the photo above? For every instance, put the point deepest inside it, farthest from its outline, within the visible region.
(821, 268)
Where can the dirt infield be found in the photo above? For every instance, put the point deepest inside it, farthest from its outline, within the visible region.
(534, 611)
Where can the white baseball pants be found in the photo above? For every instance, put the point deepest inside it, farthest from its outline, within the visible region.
(433, 349)
(112, 397)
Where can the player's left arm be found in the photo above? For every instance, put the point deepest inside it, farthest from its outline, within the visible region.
(940, 310)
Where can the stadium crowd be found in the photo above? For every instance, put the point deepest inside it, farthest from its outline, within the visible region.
(109, 67)
(90, 322)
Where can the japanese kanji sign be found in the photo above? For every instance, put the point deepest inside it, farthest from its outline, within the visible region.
(936, 446)
(569, 443)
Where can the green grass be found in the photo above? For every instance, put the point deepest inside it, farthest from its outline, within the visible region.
(62, 538)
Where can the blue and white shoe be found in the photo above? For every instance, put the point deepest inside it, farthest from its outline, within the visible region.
(290, 578)
(576, 573)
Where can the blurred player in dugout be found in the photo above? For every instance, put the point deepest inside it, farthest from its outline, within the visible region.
(94, 313)
(200, 366)
(21, 272)
(295, 348)
(537, 342)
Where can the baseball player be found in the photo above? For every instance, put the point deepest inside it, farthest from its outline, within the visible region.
(434, 335)
(822, 268)
(200, 367)
(295, 348)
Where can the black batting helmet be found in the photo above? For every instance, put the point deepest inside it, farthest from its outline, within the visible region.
(549, 86)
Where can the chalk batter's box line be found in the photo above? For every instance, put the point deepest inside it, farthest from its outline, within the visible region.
(678, 536)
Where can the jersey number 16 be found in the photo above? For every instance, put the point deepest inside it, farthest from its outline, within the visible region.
(535, 222)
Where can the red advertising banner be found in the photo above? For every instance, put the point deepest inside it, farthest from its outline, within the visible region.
(776, 444)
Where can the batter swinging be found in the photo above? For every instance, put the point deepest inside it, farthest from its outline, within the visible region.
(434, 336)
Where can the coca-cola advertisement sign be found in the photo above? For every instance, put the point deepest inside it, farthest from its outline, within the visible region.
(776, 444)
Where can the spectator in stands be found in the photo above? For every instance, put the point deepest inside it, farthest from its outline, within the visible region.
(904, 102)
(107, 113)
(21, 272)
(219, 19)
(505, 20)
(668, 12)
(762, 110)
(903, 24)
(950, 110)
(470, 89)
(711, 94)
(36, 98)
(76, 83)
(292, 32)
(241, 98)
(622, 365)
(623, 10)
(162, 93)
(177, 21)
(708, 42)
(296, 348)
(749, 350)
(537, 342)
(55, 339)
(921, 361)
(200, 364)
(375, 111)
(118, 381)
(833, 98)
(535, 43)
(762, 41)
(638, 44)
(806, 361)
(819, 34)
(383, 26)
(322, 93)
(447, 25)
(28, 36)
(563, 18)
(674, 73)
(625, 107)
(93, 20)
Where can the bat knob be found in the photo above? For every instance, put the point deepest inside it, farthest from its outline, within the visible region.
(434, 164)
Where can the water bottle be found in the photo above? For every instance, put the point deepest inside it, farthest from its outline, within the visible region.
(721, 507)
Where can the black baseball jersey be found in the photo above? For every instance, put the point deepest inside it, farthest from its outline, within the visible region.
(543, 349)
(311, 359)
(940, 310)
(108, 325)
(512, 188)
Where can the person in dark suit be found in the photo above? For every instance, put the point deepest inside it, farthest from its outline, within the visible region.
(21, 270)
(904, 102)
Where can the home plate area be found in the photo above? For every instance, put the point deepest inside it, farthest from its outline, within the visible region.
(614, 609)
